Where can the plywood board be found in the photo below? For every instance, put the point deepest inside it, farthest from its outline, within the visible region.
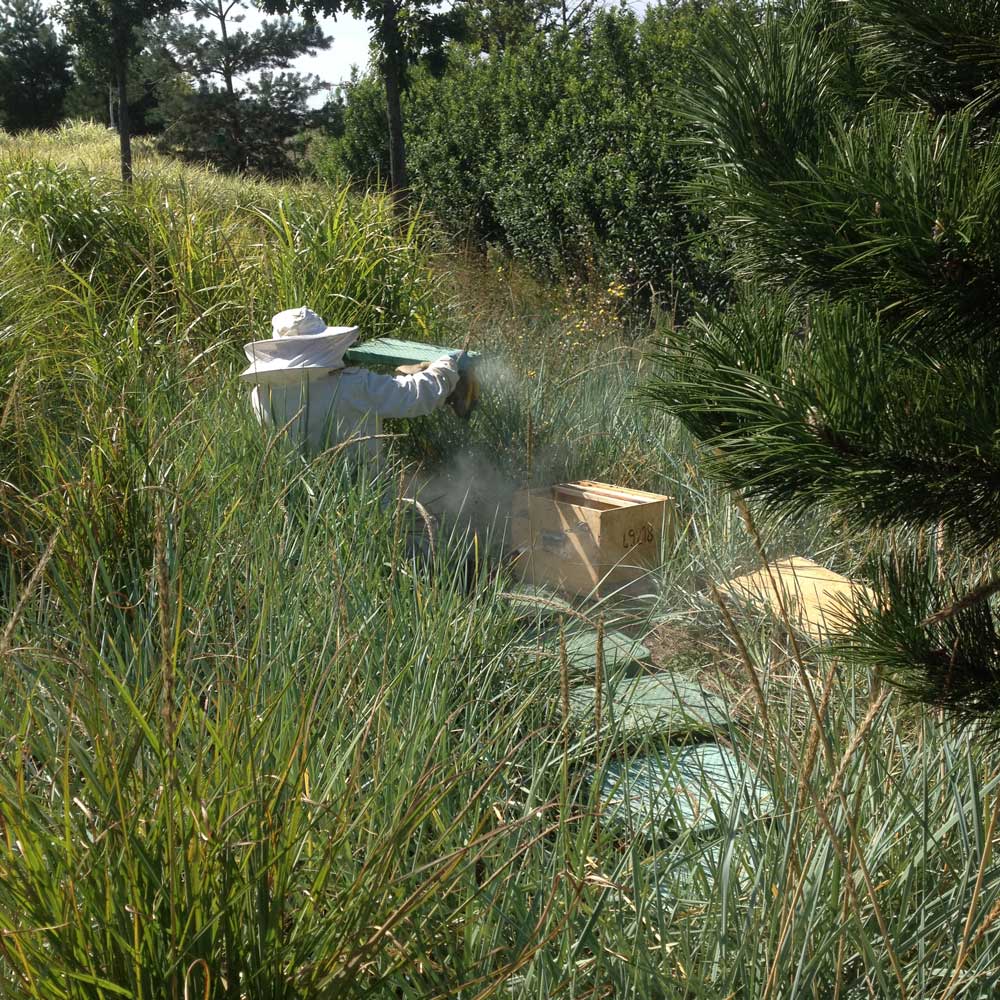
(702, 787)
(650, 705)
(559, 542)
(627, 492)
(818, 601)
(587, 537)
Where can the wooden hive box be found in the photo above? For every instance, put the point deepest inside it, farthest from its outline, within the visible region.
(589, 538)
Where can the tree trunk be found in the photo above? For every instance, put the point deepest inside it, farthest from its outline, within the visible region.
(392, 75)
(112, 116)
(221, 13)
(124, 135)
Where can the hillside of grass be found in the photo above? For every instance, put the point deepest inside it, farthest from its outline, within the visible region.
(250, 752)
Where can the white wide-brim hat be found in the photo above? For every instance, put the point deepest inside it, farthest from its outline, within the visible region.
(301, 346)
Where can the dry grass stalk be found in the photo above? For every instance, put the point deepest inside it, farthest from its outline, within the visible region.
(564, 684)
(165, 613)
(780, 595)
(598, 695)
(824, 818)
(29, 588)
(964, 949)
(814, 737)
(859, 734)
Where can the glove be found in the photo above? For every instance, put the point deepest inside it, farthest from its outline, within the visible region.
(416, 369)
(465, 396)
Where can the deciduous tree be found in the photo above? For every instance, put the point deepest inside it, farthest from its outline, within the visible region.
(496, 25)
(108, 33)
(402, 31)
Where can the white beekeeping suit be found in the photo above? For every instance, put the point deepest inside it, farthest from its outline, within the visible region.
(300, 380)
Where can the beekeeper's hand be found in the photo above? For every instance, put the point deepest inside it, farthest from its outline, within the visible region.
(465, 396)
(414, 369)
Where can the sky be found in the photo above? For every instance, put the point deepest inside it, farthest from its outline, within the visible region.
(349, 46)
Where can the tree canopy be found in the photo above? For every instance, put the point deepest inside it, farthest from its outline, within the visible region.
(402, 31)
(34, 67)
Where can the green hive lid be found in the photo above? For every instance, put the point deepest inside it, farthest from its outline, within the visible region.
(619, 650)
(697, 787)
(388, 353)
(688, 870)
(652, 705)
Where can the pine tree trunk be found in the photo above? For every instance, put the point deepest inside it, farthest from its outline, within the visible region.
(227, 75)
(392, 73)
(124, 135)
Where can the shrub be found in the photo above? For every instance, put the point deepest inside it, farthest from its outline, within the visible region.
(565, 151)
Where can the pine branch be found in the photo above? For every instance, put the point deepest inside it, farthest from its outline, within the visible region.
(839, 416)
(981, 593)
(946, 52)
(948, 659)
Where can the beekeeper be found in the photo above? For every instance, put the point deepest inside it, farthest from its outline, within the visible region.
(300, 382)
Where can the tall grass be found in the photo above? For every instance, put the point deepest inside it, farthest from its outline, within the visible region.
(250, 752)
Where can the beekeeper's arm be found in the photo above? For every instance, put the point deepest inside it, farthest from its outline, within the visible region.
(408, 395)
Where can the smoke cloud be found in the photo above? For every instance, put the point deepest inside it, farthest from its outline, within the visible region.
(469, 494)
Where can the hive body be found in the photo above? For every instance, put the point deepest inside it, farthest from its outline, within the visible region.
(587, 537)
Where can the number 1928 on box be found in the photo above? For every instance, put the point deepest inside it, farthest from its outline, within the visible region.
(590, 538)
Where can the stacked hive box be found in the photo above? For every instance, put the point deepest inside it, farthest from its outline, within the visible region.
(590, 538)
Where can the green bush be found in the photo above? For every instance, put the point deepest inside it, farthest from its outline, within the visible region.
(566, 152)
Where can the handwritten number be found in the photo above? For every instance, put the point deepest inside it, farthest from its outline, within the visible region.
(637, 536)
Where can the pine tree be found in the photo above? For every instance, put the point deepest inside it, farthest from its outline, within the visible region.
(34, 67)
(851, 153)
(232, 108)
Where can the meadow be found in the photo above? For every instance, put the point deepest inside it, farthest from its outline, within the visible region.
(249, 752)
